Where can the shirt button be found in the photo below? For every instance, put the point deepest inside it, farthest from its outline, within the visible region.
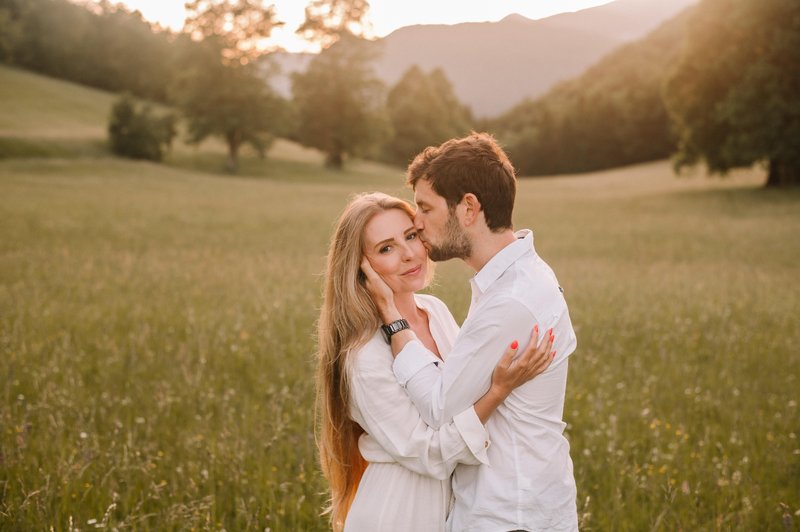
(486, 444)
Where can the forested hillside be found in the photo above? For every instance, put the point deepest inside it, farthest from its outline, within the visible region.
(611, 115)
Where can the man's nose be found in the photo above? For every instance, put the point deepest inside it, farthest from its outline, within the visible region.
(418, 222)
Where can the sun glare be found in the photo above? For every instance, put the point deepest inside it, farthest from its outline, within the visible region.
(385, 15)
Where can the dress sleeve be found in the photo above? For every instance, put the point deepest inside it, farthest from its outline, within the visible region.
(386, 413)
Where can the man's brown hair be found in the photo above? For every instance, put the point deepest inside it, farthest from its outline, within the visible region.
(474, 164)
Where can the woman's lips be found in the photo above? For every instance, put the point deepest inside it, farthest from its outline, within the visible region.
(413, 271)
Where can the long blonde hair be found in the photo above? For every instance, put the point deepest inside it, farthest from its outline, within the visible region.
(348, 319)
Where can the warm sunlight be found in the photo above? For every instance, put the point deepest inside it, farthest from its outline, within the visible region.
(385, 15)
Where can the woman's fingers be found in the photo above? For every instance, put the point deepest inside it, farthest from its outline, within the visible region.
(366, 267)
(508, 356)
(537, 356)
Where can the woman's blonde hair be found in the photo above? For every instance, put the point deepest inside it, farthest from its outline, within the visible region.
(348, 319)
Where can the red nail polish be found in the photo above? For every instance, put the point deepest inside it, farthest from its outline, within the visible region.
(514, 344)
(554, 354)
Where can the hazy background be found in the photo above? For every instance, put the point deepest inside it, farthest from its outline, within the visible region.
(167, 193)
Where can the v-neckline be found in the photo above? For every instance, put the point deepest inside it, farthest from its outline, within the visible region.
(433, 326)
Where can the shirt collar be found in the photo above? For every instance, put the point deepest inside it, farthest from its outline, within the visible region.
(507, 256)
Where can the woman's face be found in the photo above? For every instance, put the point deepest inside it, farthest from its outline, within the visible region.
(395, 251)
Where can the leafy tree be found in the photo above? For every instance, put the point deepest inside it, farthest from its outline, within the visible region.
(327, 20)
(423, 110)
(221, 89)
(137, 133)
(235, 26)
(735, 95)
(339, 100)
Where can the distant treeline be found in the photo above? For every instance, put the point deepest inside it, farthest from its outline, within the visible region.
(107, 48)
(718, 84)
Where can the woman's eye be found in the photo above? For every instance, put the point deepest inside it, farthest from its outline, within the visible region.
(411, 236)
(385, 249)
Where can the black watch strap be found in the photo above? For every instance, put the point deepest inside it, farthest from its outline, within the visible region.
(390, 329)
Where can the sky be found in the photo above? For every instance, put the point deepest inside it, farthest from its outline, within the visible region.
(385, 15)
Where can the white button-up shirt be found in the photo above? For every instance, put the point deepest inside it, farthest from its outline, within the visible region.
(528, 483)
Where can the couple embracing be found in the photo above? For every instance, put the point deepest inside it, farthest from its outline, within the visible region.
(425, 426)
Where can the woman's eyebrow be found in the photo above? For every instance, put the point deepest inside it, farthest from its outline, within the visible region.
(382, 242)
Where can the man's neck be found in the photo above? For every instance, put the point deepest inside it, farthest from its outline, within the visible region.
(486, 245)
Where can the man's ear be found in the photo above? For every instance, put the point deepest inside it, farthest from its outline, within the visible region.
(472, 208)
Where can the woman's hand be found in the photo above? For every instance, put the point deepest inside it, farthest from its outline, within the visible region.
(380, 292)
(510, 373)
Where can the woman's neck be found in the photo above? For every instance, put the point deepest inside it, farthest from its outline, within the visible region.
(407, 306)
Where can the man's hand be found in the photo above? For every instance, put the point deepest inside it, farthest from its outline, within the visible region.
(380, 292)
(510, 373)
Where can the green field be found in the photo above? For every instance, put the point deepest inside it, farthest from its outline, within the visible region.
(157, 323)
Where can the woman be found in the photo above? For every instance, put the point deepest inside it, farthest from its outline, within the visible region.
(386, 468)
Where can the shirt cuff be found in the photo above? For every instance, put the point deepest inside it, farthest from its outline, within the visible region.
(474, 434)
(412, 358)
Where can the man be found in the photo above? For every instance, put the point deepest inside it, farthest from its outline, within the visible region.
(464, 191)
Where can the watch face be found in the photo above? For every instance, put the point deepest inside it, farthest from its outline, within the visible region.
(394, 327)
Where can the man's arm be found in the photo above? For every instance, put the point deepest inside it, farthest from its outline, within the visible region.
(439, 393)
(479, 346)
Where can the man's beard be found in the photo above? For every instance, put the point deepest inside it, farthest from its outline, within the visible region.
(455, 244)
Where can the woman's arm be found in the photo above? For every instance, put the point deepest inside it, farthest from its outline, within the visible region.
(386, 413)
(510, 373)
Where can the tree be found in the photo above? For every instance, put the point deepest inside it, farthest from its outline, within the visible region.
(137, 133)
(339, 100)
(734, 95)
(327, 20)
(221, 89)
(423, 110)
(235, 26)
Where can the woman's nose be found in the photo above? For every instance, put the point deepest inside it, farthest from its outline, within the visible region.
(408, 253)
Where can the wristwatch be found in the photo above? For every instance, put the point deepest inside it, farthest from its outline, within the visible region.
(390, 329)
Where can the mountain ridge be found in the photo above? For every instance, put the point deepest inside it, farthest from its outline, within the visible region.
(495, 65)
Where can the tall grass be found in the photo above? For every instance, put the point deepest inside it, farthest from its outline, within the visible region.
(156, 345)
(157, 321)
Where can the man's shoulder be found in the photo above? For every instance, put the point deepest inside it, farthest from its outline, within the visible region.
(529, 282)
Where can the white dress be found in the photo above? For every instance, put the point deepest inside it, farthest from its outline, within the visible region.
(406, 486)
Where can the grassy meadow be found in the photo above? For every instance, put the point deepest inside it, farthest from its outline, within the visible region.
(157, 332)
